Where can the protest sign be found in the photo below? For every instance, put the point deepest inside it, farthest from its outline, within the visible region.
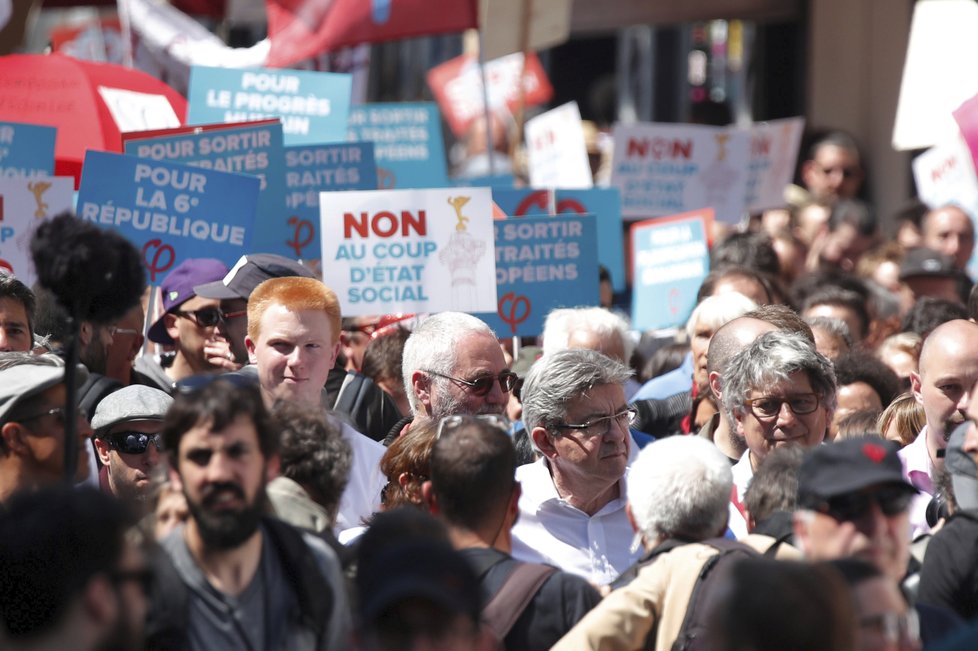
(313, 171)
(170, 211)
(409, 250)
(773, 152)
(603, 203)
(556, 151)
(25, 202)
(457, 87)
(408, 144)
(314, 106)
(248, 149)
(670, 259)
(664, 169)
(26, 149)
(946, 174)
(542, 263)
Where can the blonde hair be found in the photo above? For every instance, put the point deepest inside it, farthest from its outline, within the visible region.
(908, 416)
(295, 293)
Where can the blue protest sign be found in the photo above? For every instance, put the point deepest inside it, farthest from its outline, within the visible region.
(542, 263)
(248, 149)
(407, 143)
(671, 259)
(26, 149)
(314, 106)
(603, 203)
(322, 168)
(170, 211)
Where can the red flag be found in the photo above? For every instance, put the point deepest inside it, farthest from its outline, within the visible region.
(300, 29)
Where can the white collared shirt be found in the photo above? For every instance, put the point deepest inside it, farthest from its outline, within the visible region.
(550, 530)
(361, 497)
(743, 472)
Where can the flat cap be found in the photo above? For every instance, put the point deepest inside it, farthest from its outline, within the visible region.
(23, 380)
(134, 402)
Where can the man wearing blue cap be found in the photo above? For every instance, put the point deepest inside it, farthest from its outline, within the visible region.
(188, 324)
(127, 426)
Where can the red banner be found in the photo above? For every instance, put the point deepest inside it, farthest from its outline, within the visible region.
(300, 29)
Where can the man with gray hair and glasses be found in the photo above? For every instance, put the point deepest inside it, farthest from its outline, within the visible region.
(779, 391)
(572, 511)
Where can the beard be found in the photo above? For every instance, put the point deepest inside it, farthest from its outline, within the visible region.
(446, 404)
(226, 528)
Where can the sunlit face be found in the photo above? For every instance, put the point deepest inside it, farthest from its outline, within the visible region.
(478, 355)
(787, 427)
(586, 458)
(699, 345)
(15, 334)
(948, 371)
(132, 476)
(876, 599)
(191, 337)
(854, 397)
(950, 231)
(294, 353)
(834, 173)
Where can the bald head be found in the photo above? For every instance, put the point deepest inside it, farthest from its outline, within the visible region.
(948, 371)
(731, 338)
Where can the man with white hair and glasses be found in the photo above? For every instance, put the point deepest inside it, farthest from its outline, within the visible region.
(572, 511)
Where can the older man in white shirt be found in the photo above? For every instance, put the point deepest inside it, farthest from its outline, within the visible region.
(572, 511)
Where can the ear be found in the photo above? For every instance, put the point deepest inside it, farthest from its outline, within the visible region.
(100, 602)
(428, 497)
(714, 380)
(273, 467)
(336, 352)
(170, 325)
(421, 385)
(85, 333)
(250, 345)
(544, 443)
(916, 384)
(102, 447)
(13, 437)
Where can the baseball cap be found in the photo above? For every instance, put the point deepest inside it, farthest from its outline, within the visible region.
(249, 272)
(927, 262)
(427, 569)
(178, 287)
(134, 402)
(22, 381)
(848, 466)
(962, 468)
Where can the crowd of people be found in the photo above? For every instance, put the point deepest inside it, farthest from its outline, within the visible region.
(795, 469)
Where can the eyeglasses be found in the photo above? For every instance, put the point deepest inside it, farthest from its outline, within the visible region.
(448, 424)
(601, 426)
(892, 500)
(768, 407)
(114, 331)
(195, 383)
(143, 577)
(59, 412)
(481, 386)
(134, 442)
(209, 316)
(895, 626)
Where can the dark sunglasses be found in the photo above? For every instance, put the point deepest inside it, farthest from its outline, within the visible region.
(852, 506)
(209, 316)
(481, 386)
(195, 383)
(134, 442)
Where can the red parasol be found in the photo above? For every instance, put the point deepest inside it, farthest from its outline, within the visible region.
(68, 93)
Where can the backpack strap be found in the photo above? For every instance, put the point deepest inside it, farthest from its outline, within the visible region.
(509, 602)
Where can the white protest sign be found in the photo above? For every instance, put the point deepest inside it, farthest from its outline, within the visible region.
(390, 251)
(773, 152)
(946, 174)
(24, 204)
(134, 111)
(556, 151)
(664, 169)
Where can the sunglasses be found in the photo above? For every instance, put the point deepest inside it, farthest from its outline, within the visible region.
(892, 500)
(134, 442)
(209, 316)
(195, 383)
(60, 414)
(481, 386)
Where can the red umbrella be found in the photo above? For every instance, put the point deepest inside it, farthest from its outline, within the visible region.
(64, 92)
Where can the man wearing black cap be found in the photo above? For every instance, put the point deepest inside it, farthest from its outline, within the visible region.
(929, 273)
(127, 426)
(188, 324)
(32, 422)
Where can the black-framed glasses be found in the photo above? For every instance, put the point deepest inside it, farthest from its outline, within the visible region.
(142, 577)
(208, 317)
(767, 407)
(894, 626)
(481, 386)
(601, 426)
(134, 442)
(448, 424)
(195, 383)
(892, 500)
(58, 412)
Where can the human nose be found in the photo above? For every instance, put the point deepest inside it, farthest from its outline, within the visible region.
(218, 469)
(4, 341)
(786, 415)
(152, 454)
